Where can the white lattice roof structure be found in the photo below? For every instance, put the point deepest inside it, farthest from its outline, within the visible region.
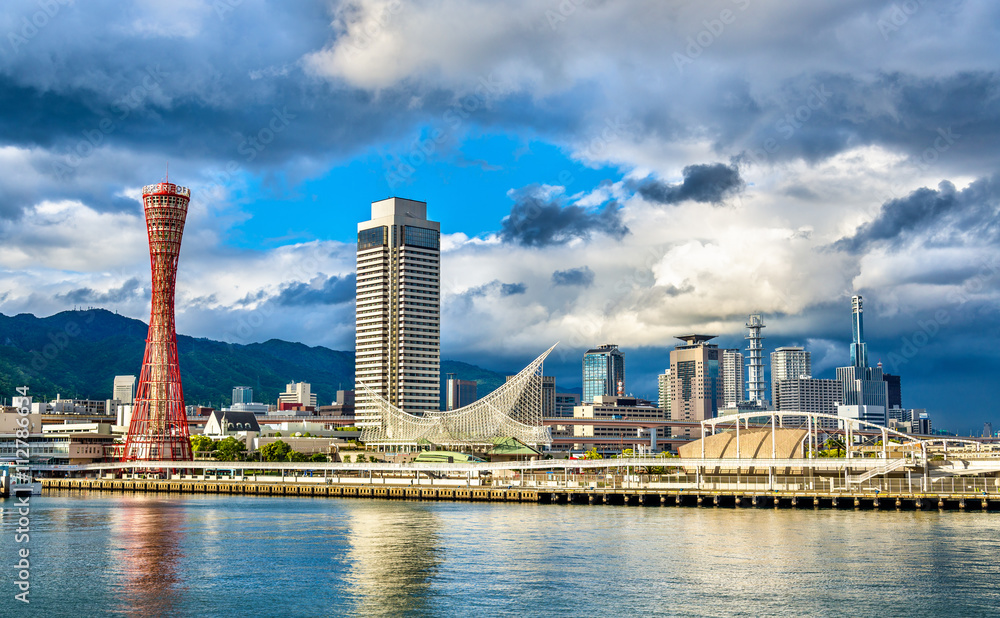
(512, 411)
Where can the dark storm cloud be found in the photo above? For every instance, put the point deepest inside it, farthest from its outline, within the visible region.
(582, 276)
(946, 214)
(333, 291)
(538, 221)
(710, 183)
(207, 101)
(512, 289)
(952, 119)
(129, 290)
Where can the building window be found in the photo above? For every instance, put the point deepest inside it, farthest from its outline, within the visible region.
(369, 239)
(422, 237)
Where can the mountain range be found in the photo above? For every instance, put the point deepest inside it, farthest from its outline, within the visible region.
(77, 354)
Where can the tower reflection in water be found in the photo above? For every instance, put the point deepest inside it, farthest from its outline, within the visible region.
(393, 554)
(148, 533)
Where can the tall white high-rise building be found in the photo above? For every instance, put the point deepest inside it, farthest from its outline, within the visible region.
(398, 319)
(732, 378)
(124, 389)
(788, 363)
(665, 394)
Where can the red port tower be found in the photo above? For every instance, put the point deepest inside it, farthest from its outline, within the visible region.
(158, 430)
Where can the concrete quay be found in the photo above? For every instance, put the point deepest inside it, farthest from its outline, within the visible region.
(604, 496)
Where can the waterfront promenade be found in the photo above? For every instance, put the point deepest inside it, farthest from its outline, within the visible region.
(825, 482)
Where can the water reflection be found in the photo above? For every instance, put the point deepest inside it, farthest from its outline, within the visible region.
(394, 554)
(147, 533)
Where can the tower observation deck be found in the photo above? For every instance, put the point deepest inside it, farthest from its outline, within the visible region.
(158, 430)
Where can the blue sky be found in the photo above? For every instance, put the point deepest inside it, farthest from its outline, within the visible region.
(603, 171)
(466, 189)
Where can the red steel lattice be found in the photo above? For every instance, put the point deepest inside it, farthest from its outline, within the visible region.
(159, 430)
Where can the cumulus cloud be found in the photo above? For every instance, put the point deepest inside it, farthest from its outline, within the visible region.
(834, 133)
(538, 219)
(710, 183)
(581, 276)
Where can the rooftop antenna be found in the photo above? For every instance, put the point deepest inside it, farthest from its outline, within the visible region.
(167, 179)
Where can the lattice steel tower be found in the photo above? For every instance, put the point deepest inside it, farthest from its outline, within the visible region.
(755, 376)
(159, 429)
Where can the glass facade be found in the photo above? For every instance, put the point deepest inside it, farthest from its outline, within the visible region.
(602, 370)
(371, 238)
(422, 237)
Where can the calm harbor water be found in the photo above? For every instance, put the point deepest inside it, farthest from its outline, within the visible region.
(101, 554)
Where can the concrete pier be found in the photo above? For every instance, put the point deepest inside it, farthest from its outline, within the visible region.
(582, 496)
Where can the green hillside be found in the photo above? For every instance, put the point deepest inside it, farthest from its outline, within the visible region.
(78, 353)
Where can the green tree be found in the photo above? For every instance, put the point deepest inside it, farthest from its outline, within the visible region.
(230, 449)
(202, 444)
(592, 454)
(277, 434)
(297, 456)
(307, 435)
(275, 451)
(319, 458)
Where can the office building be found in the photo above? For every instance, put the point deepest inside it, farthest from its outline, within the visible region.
(298, 396)
(603, 372)
(124, 389)
(398, 311)
(807, 395)
(242, 394)
(343, 405)
(788, 363)
(695, 379)
(565, 402)
(548, 396)
(987, 429)
(863, 388)
(459, 393)
(732, 378)
(894, 397)
(612, 438)
(665, 395)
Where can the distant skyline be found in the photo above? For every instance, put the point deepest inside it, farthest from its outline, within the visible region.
(613, 172)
